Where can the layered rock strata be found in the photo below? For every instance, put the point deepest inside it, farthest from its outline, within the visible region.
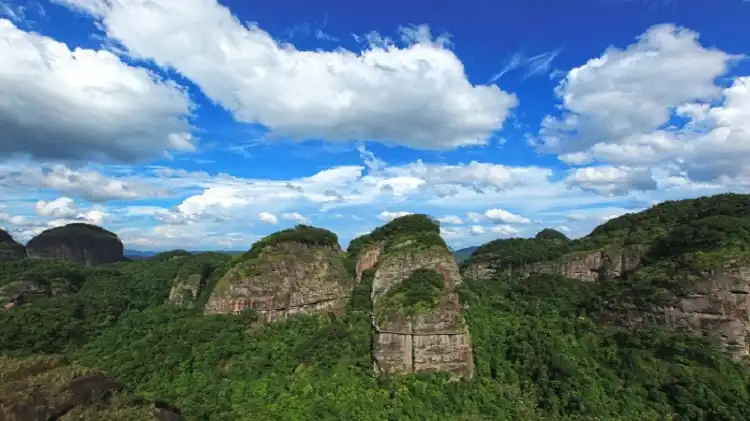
(430, 339)
(283, 280)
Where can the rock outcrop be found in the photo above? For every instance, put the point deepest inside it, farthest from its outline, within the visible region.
(26, 281)
(295, 271)
(50, 388)
(416, 314)
(9, 248)
(589, 265)
(77, 242)
(195, 275)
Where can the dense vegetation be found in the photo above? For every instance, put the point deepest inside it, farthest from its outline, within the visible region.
(421, 229)
(539, 351)
(418, 293)
(302, 234)
(516, 252)
(73, 230)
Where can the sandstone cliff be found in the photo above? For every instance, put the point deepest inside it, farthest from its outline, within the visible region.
(77, 242)
(196, 276)
(9, 248)
(681, 265)
(295, 271)
(416, 313)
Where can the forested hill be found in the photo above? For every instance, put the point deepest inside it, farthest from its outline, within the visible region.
(106, 342)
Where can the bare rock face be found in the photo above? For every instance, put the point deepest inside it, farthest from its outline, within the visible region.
(9, 248)
(285, 276)
(590, 266)
(77, 242)
(416, 315)
(716, 304)
(185, 289)
(593, 265)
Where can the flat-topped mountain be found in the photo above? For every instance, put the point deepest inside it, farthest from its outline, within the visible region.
(295, 271)
(77, 242)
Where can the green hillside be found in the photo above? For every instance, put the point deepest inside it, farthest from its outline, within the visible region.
(540, 351)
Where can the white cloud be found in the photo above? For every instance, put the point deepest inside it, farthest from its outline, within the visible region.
(12, 219)
(268, 218)
(84, 104)
(415, 93)
(451, 219)
(474, 217)
(62, 207)
(575, 217)
(88, 184)
(611, 181)
(387, 216)
(295, 216)
(506, 230)
(476, 230)
(653, 106)
(503, 216)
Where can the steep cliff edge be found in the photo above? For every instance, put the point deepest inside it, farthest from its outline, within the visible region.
(196, 277)
(683, 265)
(416, 314)
(294, 271)
(77, 242)
(10, 249)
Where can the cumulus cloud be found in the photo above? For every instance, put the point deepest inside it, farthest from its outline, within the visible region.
(295, 216)
(413, 92)
(503, 216)
(387, 216)
(653, 105)
(611, 181)
(451, 219)
(84, 104)
(88, 184)
(476, 230)
(268, 218)
(505, 230)
(62, 207)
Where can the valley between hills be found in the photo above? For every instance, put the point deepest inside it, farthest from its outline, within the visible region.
(645, 318)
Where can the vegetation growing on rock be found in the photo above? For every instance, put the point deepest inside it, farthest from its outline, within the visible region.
(77, 242)
(419, 293)
(301, 234)
(544, 346)
(419, 228)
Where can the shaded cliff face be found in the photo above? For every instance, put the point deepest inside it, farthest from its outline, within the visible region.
(196, 277)
(416, 314)
(80, 243)
(285, 277)
(50, 388)
(9, 249)
(25, 281)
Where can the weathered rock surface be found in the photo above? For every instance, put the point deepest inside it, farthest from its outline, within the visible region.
(717, 304)
(283, 280)
(21, 292)
(590, 266)
(432, 340)
(9, 248)
(185, 289)
(49, 388)
(77, 242)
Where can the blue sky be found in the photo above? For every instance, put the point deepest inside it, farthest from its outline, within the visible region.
(207, 125)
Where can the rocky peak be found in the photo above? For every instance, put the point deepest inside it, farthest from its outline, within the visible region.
(416, 314)
(9, 248)
(78, 242)
(294, 271)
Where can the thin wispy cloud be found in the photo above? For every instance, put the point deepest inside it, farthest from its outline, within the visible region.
(539, 64)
